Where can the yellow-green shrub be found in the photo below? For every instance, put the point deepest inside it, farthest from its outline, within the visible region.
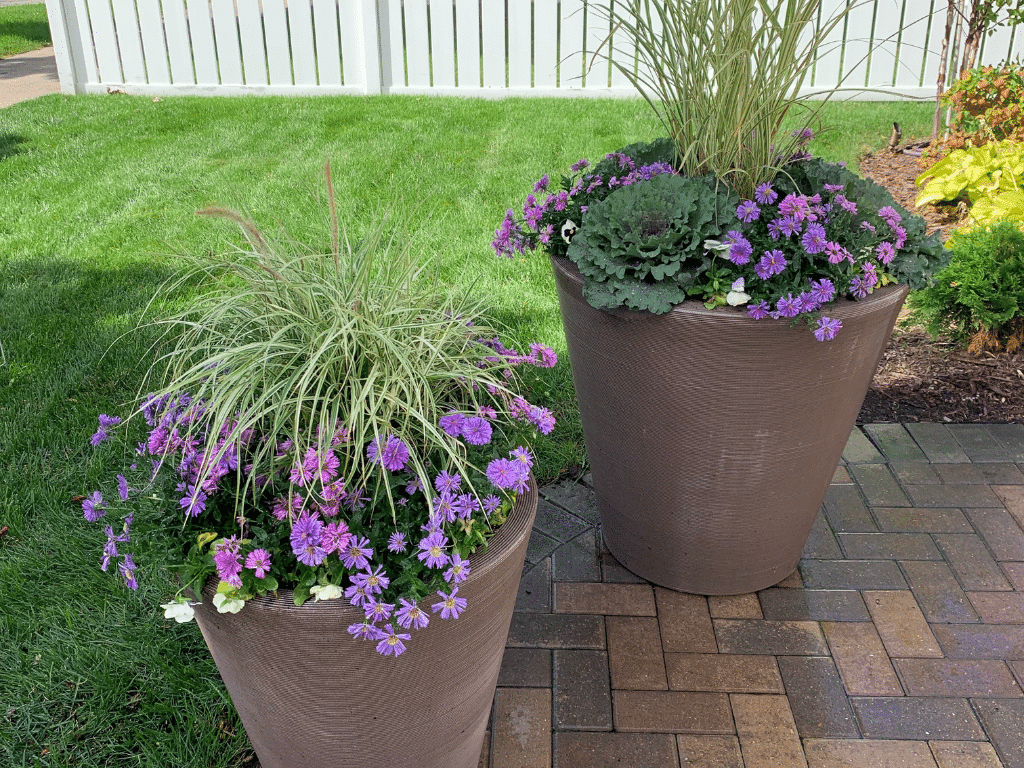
(990, 177)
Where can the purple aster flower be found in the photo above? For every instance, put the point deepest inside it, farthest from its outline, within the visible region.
(814, 240)
(376, 610)
(740, 248)
(122, 487)
(228, 562)
(364, 630)
(447, 482)
(444, 507)
(458, 571)
(772, 263)
(450, 605)
(787, 306)
(789, 226)
(258, 561)
(306, 539)
(541, 184)
(108, 421)
(303, 472)
(336, 537)
(765, 195)
(545, 356)
(432, 550)
(194, 501)
(885, 252)
(391, 643)
(901, 237)
(794, 206)
(504, 473)
(579, 165)
(833, 187)
(110, 548)
(868, 226)
(391, 453)
(823, 290)
(847, 205)
(410, 615)
(859, 287)
(523, 455)
(451, 423)
(375, 580)
(542, 419)
(491, 503)
(356, 595)
(357, 554)
(748, 211)
(827, 328)
(476, 431)
(414, 486)
(836, 253)
(465, 505)
(890, 215)
(396, 543)
(127, 568)
(93, 507)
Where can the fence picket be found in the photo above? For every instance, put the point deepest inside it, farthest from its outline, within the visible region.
(328, 46)
(884, 41)
(225, 33)
(442, 43)
(275, 27)
(571, 43)
(108, 61)
(250, 32)
(467, 40)
(545, 44)
(129, 43)
(179, 48)
(300, 35)
(154, 48)
(492, 17)
(351, 28)
(520, 44)
(417, 47)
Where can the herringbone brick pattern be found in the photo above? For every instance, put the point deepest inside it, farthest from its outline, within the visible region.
(899, 642)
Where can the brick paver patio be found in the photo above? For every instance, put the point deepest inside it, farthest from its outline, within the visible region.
(898, 644)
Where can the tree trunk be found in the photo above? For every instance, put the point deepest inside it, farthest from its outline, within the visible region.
(943, 61)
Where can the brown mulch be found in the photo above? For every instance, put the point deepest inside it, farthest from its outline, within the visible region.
(929, 380)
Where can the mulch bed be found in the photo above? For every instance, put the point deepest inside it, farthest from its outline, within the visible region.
(933, 380)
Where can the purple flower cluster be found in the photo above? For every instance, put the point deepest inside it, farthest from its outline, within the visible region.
(543, 220)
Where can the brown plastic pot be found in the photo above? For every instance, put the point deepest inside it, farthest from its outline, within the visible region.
(310, 696)
(713, 437)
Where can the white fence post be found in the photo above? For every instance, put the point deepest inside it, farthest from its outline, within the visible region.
(67, 34)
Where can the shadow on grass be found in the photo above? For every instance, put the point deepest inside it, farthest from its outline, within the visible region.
(9, 144)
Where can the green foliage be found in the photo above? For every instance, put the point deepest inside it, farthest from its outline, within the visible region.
(987, 105)
(23, 28)
(723, 75)
(991, 178)
(979, 297)
(643, 246)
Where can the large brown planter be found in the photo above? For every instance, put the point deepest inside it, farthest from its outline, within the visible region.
(310, 696)
(712, 437)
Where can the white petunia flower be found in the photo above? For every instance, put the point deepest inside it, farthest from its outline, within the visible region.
(180, 611)
(736, 296)
(326, 592)
(225, 603)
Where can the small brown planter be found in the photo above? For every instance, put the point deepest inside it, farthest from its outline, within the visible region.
(310, 696)
(713, 437)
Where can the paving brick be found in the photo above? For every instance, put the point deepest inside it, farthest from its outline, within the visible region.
(852, 574)
(817, 697)
(709, 751)
(615, 750)
(535, 588)
(521, 735)
(917, 717)
(723, 672)
(1015, 573)
(614, 571)
(952, 495)
(540, 546)
(581, 690)
(846, 510)
(964, 754)
(841, 476)
(558, 523)
(635, 653)
(957, 677)
(793, 581)
(915, 472)
(577, 559)
(734, 606)
(999, 607)
(790, 638)
(813, 605)
(1000, 531)
(938, 592)
(998, 473)
(525, 668)
(978, 443)
(605, 599)
(545, 630)
(1012, 497)
(821, 543)
(685, 622)
(1011, 438)
(767, 732)
(859, 449)
(938, 444)
(900, 624)
(672, 712)
(865, 753)
(1017, 668)
(911, 520)
(888, 546)
(895, 442)
(971, 561)
(980, 641)
(578, 498)
(861, 659)
(879, 486)
(1002, 719)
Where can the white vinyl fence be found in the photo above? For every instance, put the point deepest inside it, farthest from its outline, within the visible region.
(489, 48)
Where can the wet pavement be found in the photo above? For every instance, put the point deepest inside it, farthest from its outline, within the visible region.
(898, 642)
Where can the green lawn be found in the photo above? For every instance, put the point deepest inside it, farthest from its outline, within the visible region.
(97, 194)
(23, 28)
